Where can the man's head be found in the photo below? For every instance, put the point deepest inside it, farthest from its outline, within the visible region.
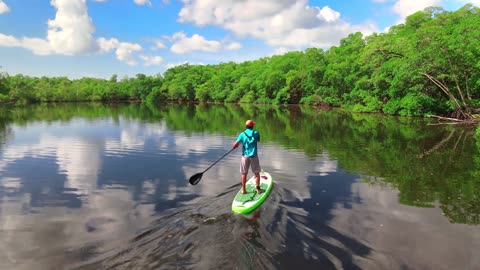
(249, 124)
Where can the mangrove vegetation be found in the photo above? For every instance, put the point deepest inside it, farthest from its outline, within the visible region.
(429, 65)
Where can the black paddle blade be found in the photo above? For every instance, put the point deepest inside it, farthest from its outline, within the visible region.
(195, 178)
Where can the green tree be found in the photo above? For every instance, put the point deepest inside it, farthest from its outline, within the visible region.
(4, 89)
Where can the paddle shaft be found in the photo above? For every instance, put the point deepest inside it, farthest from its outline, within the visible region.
(219, 160)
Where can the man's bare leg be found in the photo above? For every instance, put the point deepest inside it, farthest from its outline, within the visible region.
(257, 182)
(244, 180)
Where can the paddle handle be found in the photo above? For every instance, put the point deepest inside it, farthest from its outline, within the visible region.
(219, 159)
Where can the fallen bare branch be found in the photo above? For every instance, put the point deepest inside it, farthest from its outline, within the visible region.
(445, 118)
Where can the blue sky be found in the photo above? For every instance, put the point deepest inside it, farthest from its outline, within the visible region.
(98, 38)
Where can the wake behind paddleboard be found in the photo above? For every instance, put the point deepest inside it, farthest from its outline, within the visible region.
(246, 203)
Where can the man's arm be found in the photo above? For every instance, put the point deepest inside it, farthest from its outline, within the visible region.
(239, 139)
(235, 145)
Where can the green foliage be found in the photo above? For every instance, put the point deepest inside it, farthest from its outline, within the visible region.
(416, 105)
(23, 89)
(410, 105)
(248, 98)
(4, 89)
(313, 100)
(283, 96)
(392, 106)
(369, 104)
(264, 100)
(157, 95)
(477, 136)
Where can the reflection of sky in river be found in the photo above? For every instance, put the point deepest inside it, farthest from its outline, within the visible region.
(77, 183)
(405, 237)
(92, 185)
(71, 184)
(50, 196)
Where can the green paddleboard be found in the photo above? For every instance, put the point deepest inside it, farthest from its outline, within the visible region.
(246, 203)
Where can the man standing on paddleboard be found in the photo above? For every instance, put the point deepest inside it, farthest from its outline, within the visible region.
(249, 139)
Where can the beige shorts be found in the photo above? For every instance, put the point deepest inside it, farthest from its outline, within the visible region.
(250, 161)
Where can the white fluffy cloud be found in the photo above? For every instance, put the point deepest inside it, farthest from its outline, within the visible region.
(143, 2)
(123, 50)
(71, 33)
(37, 45)
(407, 7)
(3, 7)
(285, 23)
(151, 60)
(183, 44)
(233, 46)
(158, 44)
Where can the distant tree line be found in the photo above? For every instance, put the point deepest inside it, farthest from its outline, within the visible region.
(428, 65)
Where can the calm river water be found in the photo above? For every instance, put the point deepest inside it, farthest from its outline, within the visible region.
(93, 186)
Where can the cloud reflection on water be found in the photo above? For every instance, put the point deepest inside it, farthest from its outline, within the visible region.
(38, 234)
(86, 206)
(405, 236)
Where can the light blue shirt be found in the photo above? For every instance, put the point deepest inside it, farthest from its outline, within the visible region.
(249, 139)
